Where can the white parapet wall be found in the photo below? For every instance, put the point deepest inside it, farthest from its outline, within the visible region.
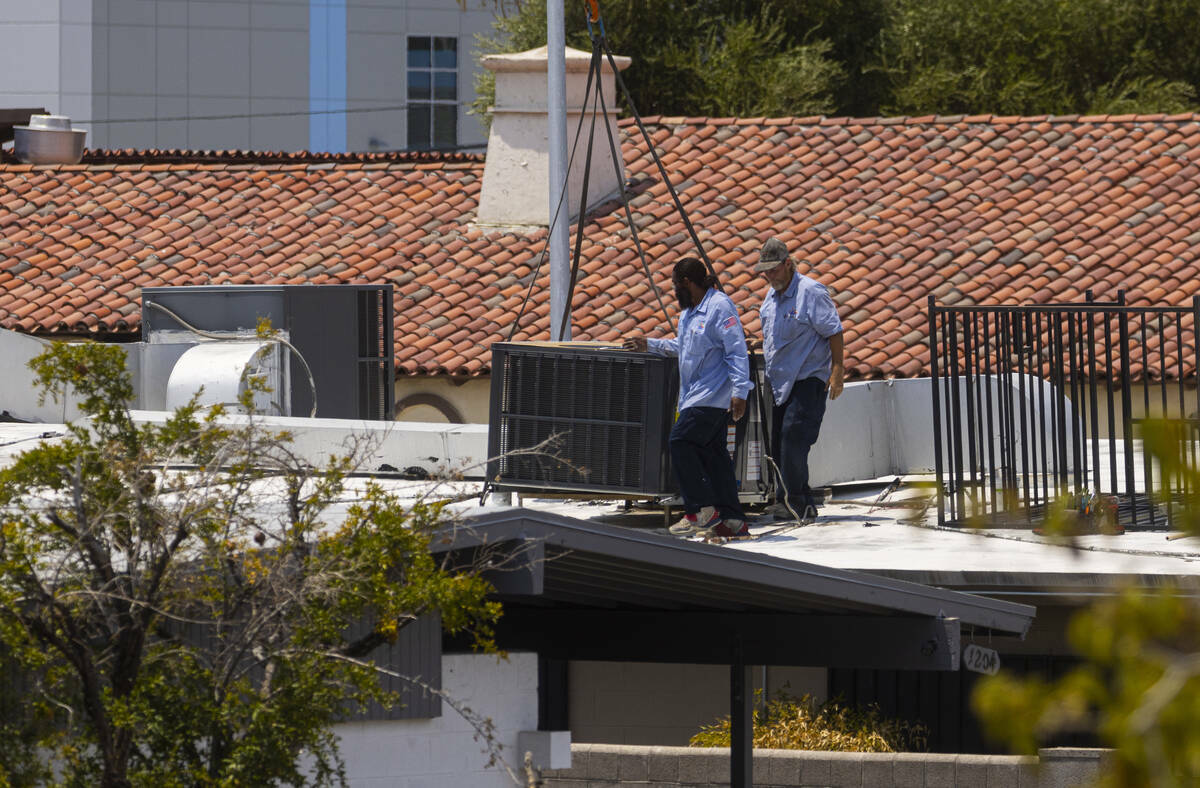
(440, 450)
(880, 428)
(875, 429)
(444, 751)
(19, 397)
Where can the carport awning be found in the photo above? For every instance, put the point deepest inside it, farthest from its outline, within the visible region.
(584, 590)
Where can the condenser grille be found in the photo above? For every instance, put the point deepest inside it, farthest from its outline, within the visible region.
(375, 356)
(573, 418)
(572, 453)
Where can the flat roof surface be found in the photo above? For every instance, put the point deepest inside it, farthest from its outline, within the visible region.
(898, 537)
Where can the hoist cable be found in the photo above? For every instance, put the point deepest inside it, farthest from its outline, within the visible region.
(661, 169)
(593, 68)
(633, 231)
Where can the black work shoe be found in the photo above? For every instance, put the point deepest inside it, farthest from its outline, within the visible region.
(780, 511)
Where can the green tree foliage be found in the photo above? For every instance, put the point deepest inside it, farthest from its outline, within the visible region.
(789, 723)
(180, 595)
(1032, 57)
(1138, 683)
(721, 57)
(900, 57)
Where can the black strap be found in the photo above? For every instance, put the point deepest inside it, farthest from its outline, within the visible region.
(594, 68)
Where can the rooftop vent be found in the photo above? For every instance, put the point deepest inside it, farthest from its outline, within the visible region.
(48, 139)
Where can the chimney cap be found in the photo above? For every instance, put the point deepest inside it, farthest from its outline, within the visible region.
(535, 60)
(48, 123)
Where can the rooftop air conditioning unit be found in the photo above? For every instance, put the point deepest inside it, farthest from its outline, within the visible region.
(207, 337)
(581, 416)
(590, 417)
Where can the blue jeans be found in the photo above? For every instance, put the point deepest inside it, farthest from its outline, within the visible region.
(701, 462)
(797, 425)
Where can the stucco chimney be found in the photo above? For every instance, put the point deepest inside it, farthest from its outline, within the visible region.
(516, 175)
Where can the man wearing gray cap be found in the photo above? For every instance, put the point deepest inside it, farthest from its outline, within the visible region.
(802, 347)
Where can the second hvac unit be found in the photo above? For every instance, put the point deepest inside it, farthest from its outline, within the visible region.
(590, 417)
(343, 332)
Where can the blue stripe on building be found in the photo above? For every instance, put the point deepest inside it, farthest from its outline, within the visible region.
(327, 75)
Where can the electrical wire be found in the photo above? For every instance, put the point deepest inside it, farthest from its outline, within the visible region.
(211, 335)
(249, 115)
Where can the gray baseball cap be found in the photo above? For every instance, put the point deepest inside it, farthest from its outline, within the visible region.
(773, 253)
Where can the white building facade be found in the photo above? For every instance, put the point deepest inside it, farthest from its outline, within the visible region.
(277, 75)
(445, 750)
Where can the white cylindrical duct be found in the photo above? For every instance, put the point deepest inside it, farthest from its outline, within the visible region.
(220, 373)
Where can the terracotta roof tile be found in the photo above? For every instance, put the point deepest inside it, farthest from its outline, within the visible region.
(976, 210)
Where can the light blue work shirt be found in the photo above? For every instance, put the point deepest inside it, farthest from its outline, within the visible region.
(797, 325)
(710, 344)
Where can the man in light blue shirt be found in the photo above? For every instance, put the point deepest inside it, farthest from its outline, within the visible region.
(803, 349)
(714, 380)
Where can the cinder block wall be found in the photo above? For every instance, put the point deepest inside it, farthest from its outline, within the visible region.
(608, 766)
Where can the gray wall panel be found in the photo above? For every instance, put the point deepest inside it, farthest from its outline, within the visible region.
(279, 64)
(131, 12)
(206, 13)
(132, 66)
(172, 62)
(222, 133)
(172, 13)
(219, 62)
(98, 52)
(279, 132)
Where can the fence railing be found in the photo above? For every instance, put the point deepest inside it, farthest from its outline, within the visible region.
(1034, 405)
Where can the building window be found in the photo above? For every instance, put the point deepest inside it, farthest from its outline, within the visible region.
(432, 92)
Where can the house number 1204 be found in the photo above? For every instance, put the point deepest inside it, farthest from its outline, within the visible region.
(981, 660)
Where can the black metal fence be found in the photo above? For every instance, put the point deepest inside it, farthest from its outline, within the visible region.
(1037, 405)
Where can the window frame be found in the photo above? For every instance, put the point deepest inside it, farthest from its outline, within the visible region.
(429, 105)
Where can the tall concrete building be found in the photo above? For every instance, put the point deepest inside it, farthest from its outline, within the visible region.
(321, 75)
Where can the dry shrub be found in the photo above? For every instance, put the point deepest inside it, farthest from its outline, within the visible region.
(790, 723)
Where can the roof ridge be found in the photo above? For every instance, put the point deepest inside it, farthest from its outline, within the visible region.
(182, 156)
(915, 120)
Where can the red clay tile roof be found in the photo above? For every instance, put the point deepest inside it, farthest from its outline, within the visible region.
(885, 211)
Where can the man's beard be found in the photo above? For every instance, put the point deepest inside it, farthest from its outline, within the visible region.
(684, 297)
